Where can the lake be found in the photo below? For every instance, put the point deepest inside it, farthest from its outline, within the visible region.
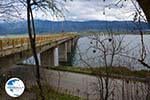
(89, 50)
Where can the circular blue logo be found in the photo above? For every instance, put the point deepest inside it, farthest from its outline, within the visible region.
(14, 87)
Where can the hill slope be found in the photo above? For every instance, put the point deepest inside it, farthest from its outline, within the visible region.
(45, 26)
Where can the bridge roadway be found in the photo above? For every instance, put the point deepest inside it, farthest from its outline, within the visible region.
(15, 50)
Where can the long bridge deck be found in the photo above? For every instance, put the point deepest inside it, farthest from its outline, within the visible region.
(11, 45)
(15, 50)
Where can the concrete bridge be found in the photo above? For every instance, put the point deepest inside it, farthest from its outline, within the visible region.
(15, 50)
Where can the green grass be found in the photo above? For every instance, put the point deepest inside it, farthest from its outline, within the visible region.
(51, 94)
(61, 96)
(106, 33)
(101, 33)
(113, 71)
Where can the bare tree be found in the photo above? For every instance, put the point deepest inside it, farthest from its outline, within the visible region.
(106, 49)
(47, 6)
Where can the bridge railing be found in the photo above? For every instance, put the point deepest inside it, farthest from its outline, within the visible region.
(9, 43)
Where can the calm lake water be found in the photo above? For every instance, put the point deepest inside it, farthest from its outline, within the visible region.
(89, 52)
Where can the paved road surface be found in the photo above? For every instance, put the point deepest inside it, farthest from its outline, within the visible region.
(85, 86)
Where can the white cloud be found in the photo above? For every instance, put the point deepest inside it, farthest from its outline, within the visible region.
(94, 10)
(81, 10)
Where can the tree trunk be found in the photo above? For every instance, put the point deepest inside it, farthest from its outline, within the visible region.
(33, 46)
(144, 4)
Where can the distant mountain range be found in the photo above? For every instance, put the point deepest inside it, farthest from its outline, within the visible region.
(45, 26)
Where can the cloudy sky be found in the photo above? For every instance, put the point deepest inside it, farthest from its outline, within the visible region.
(83, 10)
(99, 10)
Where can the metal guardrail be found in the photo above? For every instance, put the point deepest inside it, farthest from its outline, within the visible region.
(10, 43)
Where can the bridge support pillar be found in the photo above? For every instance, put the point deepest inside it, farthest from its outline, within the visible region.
(48, 57)
(62, 52)
(69, 47)
(73, 42)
